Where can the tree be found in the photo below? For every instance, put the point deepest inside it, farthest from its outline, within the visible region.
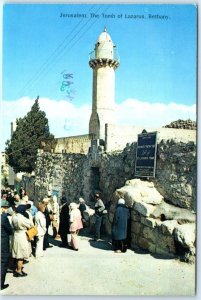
(23, 146)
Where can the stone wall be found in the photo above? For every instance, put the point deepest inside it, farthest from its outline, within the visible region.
(175, 180)
(73, 144)
(175, 172)
(60, 173)
(28, 182)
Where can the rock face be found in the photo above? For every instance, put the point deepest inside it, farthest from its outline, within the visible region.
(157, 226)
(76, 174)
(176, 173)
(60, 173)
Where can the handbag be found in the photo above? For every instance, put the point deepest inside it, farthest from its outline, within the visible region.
(31, 233)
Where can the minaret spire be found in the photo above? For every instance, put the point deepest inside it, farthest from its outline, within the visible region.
(104, 62)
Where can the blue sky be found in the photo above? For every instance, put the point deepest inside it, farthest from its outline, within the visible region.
(157, 56)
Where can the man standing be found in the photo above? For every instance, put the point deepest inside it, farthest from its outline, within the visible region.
(99, 208)
(6, 231)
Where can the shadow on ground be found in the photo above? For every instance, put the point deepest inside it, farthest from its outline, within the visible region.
(103, 245)
(53, 241)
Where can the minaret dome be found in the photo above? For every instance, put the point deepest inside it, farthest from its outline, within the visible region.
(104, 61)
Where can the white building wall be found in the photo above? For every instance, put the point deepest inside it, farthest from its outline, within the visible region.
(117, 136)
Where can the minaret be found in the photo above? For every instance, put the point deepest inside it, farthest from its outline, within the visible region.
(103, 61)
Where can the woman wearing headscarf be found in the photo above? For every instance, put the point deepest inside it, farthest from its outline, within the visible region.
(20, 250)
(119, 227)
(75, 224)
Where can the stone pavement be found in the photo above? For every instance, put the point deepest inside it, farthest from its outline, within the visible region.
(96, 270)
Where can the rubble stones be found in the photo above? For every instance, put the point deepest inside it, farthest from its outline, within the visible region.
(183, 124)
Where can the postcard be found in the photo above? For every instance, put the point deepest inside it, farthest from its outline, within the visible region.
(99, 108)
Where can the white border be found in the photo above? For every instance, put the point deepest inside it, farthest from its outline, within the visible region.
(198, 281)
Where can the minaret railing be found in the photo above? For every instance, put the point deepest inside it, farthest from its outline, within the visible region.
(105, 54)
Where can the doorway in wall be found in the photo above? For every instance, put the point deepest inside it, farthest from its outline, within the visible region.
(95, 179)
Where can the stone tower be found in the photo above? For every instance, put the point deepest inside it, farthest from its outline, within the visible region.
(104, 61)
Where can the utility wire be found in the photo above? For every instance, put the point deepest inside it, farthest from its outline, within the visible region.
(62, 50)
(23, 147)
(53, 57)
(36, 76)
(54, 52)
(70, 47)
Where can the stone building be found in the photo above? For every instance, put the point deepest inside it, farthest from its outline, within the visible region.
(162, 207)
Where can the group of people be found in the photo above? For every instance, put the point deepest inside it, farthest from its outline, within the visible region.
(119, 224)
(19, 214)
(71, 220)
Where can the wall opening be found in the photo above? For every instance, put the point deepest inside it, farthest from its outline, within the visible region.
(95, 179)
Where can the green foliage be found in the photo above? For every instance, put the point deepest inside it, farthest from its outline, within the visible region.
(23, 146)
(4, 176)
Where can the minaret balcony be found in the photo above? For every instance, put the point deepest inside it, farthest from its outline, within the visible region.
(105, 59)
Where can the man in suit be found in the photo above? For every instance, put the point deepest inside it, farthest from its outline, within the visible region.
(6, 231)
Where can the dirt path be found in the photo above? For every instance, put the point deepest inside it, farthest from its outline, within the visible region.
(96, 270)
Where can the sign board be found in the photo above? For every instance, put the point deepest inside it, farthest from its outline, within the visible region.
(145, 163)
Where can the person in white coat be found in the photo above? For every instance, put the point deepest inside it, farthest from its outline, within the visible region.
(20, 250)
(40, 222)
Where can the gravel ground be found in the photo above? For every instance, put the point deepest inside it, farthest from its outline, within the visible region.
(96, 270)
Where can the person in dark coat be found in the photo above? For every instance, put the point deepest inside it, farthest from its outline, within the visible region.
(6, 231)
(119, 227)
(10, 198)
(64, 222)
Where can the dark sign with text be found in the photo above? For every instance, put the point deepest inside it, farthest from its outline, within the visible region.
(146, 155)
